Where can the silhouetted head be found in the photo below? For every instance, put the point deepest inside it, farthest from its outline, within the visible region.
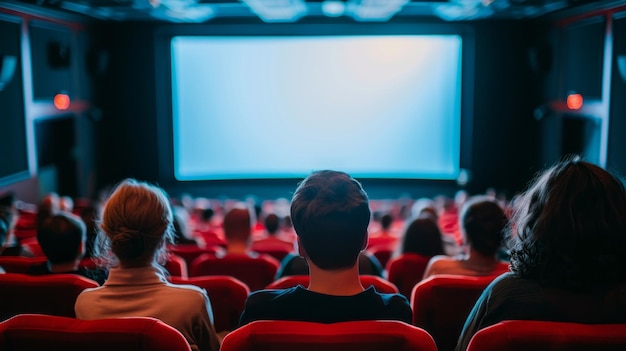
(138, 221)
(482, 224)
(330, 214)
(62, 238)
(569, 228)
(238, 225)
(272, 223)
(422, 236)
(386, 220)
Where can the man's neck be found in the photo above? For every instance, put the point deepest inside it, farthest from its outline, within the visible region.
(344, 282)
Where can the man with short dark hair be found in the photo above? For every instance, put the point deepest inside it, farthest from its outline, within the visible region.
(330, 214)
(62, 239)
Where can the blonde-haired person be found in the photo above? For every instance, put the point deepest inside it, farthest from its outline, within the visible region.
(137, 222)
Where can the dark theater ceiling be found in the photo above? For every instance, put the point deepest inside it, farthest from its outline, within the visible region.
(199, 11)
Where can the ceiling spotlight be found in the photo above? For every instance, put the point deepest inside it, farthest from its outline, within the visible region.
(333, 8)
(374, 10)
(278, 10)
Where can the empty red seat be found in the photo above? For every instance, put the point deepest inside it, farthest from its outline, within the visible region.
(190, 252)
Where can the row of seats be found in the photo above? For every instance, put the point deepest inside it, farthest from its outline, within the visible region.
(440, 303)
(38, 332)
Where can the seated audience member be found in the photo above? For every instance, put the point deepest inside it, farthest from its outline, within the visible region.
(237, 226)
(9, 246)
(62, 239)
(137, 221)
(271, 241)
(181, 232)
(385, 236)
(48, 206)
(482, 224)
(421, 237)
(205, 232)
(330, 213)
(567, 254)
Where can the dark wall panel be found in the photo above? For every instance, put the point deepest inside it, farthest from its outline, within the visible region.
(583, 57)
(14, 155)
(52, 59)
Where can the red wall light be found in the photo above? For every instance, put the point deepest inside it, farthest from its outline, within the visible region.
(62, 101)
(574, 101)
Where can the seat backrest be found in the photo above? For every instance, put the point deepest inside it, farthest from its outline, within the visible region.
(176, 266)
(549, 336)
(276, 252)
(190, 252)
(441, 304)
(20, 264)
(381, 285)
(52, 333)
(383, 253)
(309, 336)
(405, 271)
(228, 298)
(255, 272)
(53, 294)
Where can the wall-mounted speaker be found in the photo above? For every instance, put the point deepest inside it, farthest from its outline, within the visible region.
(59, 54)
(7, 69)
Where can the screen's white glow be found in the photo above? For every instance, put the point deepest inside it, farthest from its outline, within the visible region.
(280, 107)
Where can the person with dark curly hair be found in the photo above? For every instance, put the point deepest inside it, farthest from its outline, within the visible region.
(482, 224)
(567, 254)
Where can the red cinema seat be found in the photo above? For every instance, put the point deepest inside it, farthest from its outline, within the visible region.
(383, 253)
(228, 298)
(255, 272)
(522, 335)
(20, 264)
(343, 336)
(190, 252)
(176, 266)
(406, 270)
(54, 333)
(53, 294)
(380, 284)
(441, 304)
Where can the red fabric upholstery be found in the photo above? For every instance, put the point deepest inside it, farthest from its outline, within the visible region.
(52, 333)
(255, 272)
(379, 283)
(549, 336)
(344, 336)
(53, 294)
(32, 245)
(277, 252)
(228, 298)
(19, 264)
(190, 252)
(176, 266)
(383, 253)
(406, 270)
(442, 303)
